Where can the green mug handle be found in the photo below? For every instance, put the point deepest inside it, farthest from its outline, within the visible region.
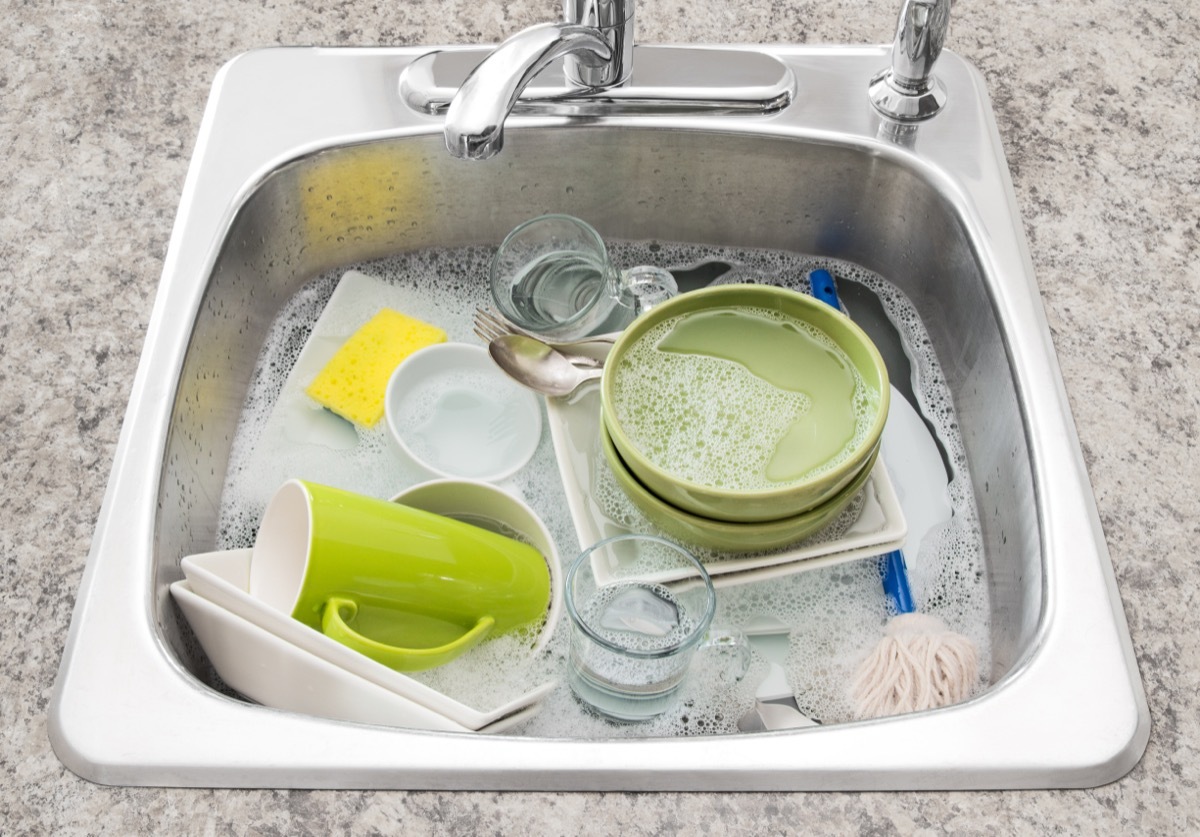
(400, 659)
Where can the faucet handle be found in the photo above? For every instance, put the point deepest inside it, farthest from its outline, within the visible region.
(908, 90)
(613, 19)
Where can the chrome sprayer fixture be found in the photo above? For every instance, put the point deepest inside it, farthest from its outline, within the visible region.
(907, 90)
(588, 65)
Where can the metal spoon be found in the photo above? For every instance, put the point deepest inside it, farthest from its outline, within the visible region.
(491, 324)
(540, 367)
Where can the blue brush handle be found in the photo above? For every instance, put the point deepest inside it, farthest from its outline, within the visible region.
(824, 288)
(892, 570)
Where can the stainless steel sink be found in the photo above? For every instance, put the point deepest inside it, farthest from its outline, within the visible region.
(930, 207)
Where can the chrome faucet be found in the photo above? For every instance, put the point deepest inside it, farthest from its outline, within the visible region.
(478, 89)
(908, 91)
(597, 42)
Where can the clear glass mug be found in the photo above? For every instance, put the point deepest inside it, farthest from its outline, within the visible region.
(552, 276)
(640, 607)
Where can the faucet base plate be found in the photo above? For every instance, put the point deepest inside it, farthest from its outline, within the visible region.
(665, 79)
(894, 100)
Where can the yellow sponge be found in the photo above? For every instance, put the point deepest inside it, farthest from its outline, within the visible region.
(354, 381)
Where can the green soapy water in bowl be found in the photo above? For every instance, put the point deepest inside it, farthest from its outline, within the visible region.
(756, 398)
(789, 357)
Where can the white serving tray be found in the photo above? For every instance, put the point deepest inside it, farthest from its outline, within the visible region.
(301, 439)
(222, 578)
(281, 675)
(575, 429)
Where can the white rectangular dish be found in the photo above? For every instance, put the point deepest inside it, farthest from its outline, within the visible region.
(274, 672)
(301, 439)
(599, 509)
(222, 578)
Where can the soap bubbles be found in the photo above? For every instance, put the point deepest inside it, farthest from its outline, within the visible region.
(834, 614)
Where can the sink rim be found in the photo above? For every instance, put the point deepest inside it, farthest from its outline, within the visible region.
(914, 751)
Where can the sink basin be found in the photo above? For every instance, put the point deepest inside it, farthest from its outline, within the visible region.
(309, 161)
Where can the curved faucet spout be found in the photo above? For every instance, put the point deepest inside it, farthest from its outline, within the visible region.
(475, 119)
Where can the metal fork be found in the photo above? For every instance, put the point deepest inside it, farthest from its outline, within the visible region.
(490, 324)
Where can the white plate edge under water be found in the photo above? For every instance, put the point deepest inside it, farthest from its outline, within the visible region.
(918, 494)
(221, 577)
(310, 684)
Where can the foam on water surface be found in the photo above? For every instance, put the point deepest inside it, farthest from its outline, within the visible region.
(638, 610)
(835, 615)
(681, 392)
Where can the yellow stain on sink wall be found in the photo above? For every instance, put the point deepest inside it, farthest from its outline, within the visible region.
(359, 192)
(354, 382)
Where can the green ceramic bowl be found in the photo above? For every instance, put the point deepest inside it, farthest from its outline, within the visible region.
(722, 535)
(718, 390)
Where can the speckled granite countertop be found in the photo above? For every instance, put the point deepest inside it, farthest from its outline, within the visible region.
(1097, 102)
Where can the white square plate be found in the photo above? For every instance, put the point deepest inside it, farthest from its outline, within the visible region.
(575, 429)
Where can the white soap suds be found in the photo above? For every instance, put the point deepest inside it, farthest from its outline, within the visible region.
(835, 615)
(714, 440)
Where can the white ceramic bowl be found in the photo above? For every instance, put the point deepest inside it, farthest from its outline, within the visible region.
(454, 413)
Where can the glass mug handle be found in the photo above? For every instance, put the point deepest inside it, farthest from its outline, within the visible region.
(334, 626)
(644, 286)
(730, 652)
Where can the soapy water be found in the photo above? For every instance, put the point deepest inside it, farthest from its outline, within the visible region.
(714, 440)
(637, 617)
(558, 287)
(836, 614)
(463, 423)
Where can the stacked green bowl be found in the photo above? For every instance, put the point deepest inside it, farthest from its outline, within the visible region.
(748, 405)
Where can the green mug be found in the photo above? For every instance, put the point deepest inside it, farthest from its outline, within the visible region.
(407, 588)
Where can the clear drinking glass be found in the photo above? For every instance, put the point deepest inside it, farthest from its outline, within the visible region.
(639, 607)
(552, 276)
